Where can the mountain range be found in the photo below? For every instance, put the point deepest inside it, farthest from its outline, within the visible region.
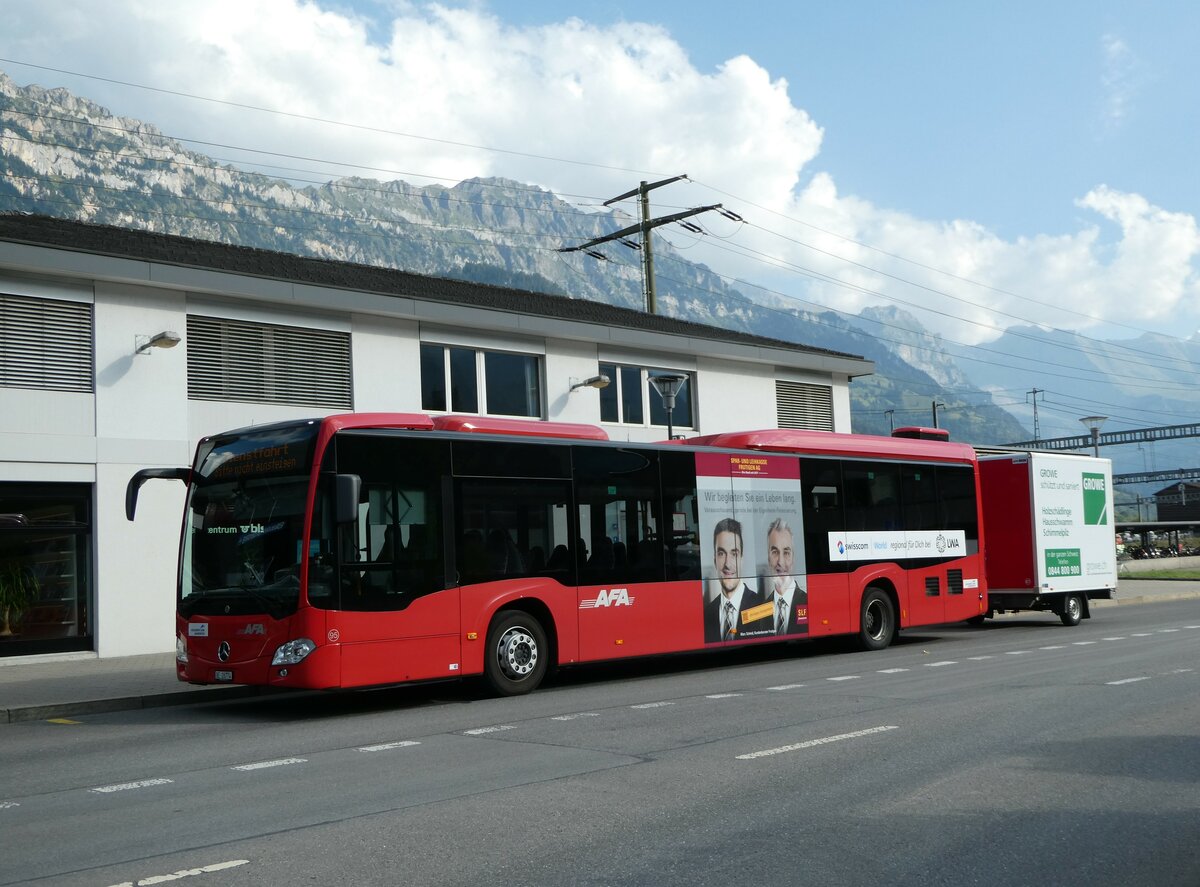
(62, 155)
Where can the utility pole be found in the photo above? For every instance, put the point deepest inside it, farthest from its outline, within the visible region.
(644, 227)
(935, 409)
(1035, 392)
(891, 414)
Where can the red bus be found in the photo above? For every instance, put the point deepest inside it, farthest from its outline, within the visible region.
(369, 549)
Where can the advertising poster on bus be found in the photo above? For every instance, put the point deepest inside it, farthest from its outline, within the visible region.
(751, 546)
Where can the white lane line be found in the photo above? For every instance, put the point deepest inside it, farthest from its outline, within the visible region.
(722, 695)
(1180, 671)
(1192, 626)
(651, 704)
(126, 786)
(582, 714)
(1082, 643)
(263, 765)
(1118, 638)
(891, 670)
(940, 664)
(1140, 634)
(386, 746)
(8, 805)
(785, 687)
(185, 873)
(845, 677)
(1054, 647)
(480, 731)
(1016, 652)
(1125, 681)
(1167, 630)
(980, 658)
(814, 742)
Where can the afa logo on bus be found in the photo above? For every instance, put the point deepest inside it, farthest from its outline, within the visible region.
(615, 597)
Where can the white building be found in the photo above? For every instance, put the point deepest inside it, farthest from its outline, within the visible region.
(91, 391)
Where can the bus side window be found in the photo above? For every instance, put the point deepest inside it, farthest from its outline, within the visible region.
(822, 491)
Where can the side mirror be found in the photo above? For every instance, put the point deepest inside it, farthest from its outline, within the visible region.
(347, 491)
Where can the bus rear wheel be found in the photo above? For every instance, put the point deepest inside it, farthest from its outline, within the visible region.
(877, 623)
(515, 661)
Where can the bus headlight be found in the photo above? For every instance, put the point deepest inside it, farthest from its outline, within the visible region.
(181, 649)
(293, 651)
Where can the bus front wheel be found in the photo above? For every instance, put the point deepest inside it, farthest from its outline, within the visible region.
(877, 623)
(516, 653)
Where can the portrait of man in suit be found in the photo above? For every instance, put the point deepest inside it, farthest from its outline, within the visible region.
(723, 616)
(788, 600)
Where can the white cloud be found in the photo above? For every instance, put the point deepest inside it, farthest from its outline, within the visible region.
(1118, 80)
(626, 101)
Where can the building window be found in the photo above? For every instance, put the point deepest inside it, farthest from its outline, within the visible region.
(468, 380)
(45, 568)
(45, 343)
(629, 398)
(808, 407)
(266, 363)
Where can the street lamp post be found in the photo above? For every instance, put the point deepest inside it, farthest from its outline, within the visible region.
(667, 385)
(1093, 423)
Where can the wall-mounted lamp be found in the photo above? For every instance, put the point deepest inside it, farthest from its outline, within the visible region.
(165, 339)
(600, 381)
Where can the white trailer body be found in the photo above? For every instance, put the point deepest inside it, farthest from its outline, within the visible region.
(1049, 532)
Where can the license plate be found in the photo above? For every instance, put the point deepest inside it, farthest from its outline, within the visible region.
(222, 676)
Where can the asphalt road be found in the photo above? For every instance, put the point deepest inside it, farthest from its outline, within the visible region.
(1021, 752)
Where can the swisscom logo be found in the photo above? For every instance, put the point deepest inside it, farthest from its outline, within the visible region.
(841, 547)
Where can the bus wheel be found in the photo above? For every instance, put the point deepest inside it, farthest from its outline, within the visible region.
(516, 653)
(877, 622)
(1072, 610)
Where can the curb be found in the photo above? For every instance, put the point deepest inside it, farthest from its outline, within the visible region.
(21, 713)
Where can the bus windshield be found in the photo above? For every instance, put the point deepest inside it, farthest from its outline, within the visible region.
(245, 523)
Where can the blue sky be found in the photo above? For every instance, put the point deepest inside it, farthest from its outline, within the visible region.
(978, 165)
(1001, 113)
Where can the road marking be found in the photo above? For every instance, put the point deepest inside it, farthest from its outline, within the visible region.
(1192, 626)
(1180, 671)
(263, 765)
(1167, 630)
(582, 714)
(62, 721)
(8, 805)
(980, 658)
(891, 670)
(385, 746)
(785, 687)
(185, 873)
(1126, 681)
(651, 704)
(940, 664)
(845, 677)
(480, 731)
(1016, 652)
(1140, 634)
(1121, 638)
(813, 742)
(1081, 643)
(1054, 647)
(126, 786)
(722, 695)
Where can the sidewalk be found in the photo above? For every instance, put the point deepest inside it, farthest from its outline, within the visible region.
(36, 688)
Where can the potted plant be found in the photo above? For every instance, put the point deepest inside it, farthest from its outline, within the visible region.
(18, 589)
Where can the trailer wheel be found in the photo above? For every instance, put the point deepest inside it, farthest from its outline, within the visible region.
(1072, 610)
(516, 655)
(877, 620)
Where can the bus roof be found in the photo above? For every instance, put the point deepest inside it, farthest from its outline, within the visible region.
(828, 443)
(466, 425)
